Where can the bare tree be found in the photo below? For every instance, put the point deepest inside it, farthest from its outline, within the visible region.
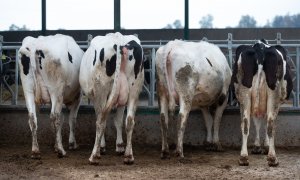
(247, 21)
(206, 21)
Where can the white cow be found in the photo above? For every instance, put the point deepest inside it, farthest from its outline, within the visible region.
(193, 75)
(112, 75)
(262, 81)
(49, 69)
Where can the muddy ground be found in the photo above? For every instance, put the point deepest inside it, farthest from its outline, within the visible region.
(15, 163)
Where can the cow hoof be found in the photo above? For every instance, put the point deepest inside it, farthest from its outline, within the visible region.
(128, 159)
(102, 150)
(256, 150)
(272, 161)
(94, 160)
(217, 147)
(243, 161)
(36, 155)
(265, 150)
(165, 155)
(120, 149)
(179, 154)
(208, 145)
(61, 154)
(73, 146)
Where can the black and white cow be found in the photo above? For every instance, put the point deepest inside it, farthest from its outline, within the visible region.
(49, 68)
(112, 76)
(262, 81)
(193, 75)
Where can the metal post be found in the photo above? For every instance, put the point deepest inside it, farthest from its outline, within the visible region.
(230, 54)
(44, 17)
(186, 20)
(1, 87)
(117, 15)
(15, 100)
(152, 77)
(297, 75)
(230, 49)
(89, 39)
(278, 38)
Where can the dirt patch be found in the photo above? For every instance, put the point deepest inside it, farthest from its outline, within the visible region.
(15, 163)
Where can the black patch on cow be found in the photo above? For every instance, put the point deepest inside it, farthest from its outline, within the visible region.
(101, 55)
(27, 48)
(137, 54)
(115, 47)
(95, 58)
(70, 57)
(111, 65)
(288, 78)
(245, 126)
(249, 66)
(209, 62)
(259, 49)
(221, 99)
(264, 41)
(142, 66)
(130, 57)
(238, 51)
(283, 51)
(25, 63)
(272, 62)
(40, 55)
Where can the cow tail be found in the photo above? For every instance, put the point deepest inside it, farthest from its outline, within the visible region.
(257, 88)
(169, 82)
(115, 89)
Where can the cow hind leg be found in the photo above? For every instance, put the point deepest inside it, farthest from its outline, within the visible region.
(102, 147)
(165, 153)
(217, 120)
(185, 107)
(272, 159)
(257, 147)
(118, 121)
(245, 108)
(57, 119)
(72, 123)
(100, 128)
(208, 124)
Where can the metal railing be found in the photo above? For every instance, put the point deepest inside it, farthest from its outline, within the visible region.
(227, 46)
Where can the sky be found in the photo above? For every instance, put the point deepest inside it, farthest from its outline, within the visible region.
(139, 14)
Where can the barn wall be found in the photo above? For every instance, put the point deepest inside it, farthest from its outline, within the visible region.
(168, 34)
(14, 127)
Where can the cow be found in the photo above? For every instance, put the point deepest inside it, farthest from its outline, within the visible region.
(262, 81)
(49, 69)
(193, 75)
(112, 76)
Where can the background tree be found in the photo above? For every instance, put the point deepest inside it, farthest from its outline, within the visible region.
(286, 21)
(247, 21)
(206, 21)
(176, 25)
(14, 27)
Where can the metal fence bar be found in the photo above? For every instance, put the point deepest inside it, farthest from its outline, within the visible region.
(297, 76)
(1, 86)
(16, 78)
(152, 79)
(227, 45)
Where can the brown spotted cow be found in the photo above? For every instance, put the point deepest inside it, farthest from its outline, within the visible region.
(193, 75)
(112, 76)
(49, 70)
(262, 81)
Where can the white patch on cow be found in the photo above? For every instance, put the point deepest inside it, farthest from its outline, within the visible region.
(193, 75)
(107, 92)
(57, 82)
